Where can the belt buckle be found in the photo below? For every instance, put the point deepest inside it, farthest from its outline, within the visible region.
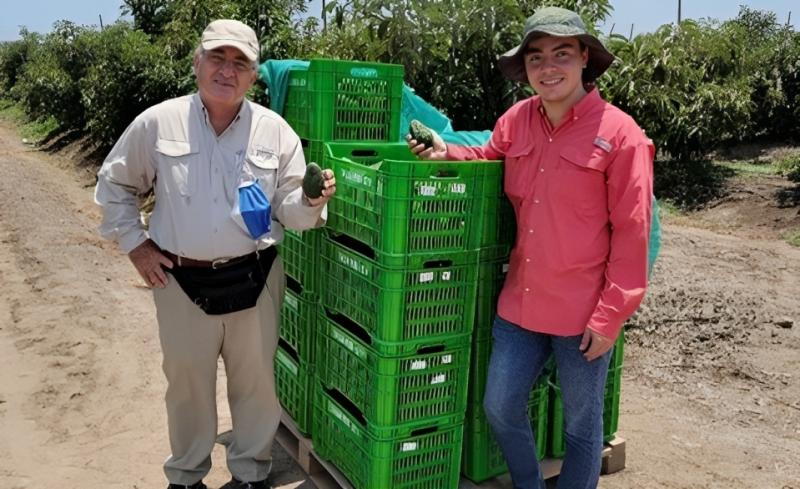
(219, 262)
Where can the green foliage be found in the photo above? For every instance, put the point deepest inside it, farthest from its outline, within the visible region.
(129, 75)
(793, 238)
(790, 167)
(449, 49)
(13, 56)
(149, 16)
(49, 81)
(683, 85)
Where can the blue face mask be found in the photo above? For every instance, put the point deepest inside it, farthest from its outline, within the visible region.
(252, 210)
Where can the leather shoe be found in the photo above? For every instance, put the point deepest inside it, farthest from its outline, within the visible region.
(235, 483)
(196, 485)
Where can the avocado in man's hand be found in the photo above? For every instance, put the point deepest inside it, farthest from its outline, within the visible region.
(421, 133)
(313, 181)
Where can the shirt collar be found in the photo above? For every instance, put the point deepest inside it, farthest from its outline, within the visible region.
(583, 107)
(243, 111)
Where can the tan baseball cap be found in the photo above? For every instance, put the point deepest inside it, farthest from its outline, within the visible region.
(228, 32)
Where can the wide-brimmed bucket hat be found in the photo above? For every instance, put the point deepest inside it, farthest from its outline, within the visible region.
(559, 22)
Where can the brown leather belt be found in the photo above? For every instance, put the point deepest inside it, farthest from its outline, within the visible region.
(182, 261)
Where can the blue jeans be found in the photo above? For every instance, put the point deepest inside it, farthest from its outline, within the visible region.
(518, 356)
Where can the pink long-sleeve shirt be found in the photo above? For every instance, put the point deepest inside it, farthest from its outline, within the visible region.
(582, 196)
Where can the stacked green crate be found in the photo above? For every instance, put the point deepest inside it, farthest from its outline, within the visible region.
(557, 443)
(327, 101)
(294, 360)
(393, 350)
(420, 456)
(293, 382)
(333, 100)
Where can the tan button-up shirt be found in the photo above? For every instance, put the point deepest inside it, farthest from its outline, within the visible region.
(173, 147)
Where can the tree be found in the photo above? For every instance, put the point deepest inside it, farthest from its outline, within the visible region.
(449, 49)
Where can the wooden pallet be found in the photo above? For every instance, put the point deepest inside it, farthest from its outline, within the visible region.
(326, 476)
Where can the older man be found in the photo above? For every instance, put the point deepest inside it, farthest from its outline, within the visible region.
(227, 178)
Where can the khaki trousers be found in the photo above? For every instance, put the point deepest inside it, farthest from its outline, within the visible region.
(191, 342)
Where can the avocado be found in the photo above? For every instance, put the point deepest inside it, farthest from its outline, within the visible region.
(313, 181)
(421, 133)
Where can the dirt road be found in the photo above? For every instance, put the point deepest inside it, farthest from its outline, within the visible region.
(710, 397)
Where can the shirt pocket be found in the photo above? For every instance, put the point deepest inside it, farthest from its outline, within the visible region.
(519, 172)
(264, 166)
(177, 168)
(582, 177)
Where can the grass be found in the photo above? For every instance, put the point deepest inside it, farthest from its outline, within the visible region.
(34, 132)
(669, 208)
(793, 237)
(10, 111)
(751, 168)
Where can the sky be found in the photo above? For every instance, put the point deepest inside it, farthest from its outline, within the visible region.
(646, 16)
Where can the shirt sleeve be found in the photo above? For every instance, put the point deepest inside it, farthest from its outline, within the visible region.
(291, 209)
(127, 173)
(494, 149)
(630, 190)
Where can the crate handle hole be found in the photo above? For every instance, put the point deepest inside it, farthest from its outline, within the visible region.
(438, 264)
(424, 431)
(363, 153)
(442, 173)
(426, 350)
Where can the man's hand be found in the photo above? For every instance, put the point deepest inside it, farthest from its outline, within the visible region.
(437, 152)
(594, 345)
(147, 259)
(328, 189)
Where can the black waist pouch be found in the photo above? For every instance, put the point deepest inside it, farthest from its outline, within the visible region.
(226, 289)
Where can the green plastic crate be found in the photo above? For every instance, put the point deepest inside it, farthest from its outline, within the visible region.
(611, 398)
(399, 205)
(395, 305)
(300, 253)
(423, 458)
(482, 457)
(427, 383)
(313, 151)
(491, 277)
(299, 314)
(333, 100)
(293, 383)
(479, 369)
(499, 229)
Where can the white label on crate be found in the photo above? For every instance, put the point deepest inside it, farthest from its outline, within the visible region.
(408, 446)
(425, 277)
(419, 365)
(505, 267)
(439, 379)
(291, 301)
(446, 276)
(426, 190)
(458, 188)
(364, 72)
(353, 264)
(356, 177)
(447, 359)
